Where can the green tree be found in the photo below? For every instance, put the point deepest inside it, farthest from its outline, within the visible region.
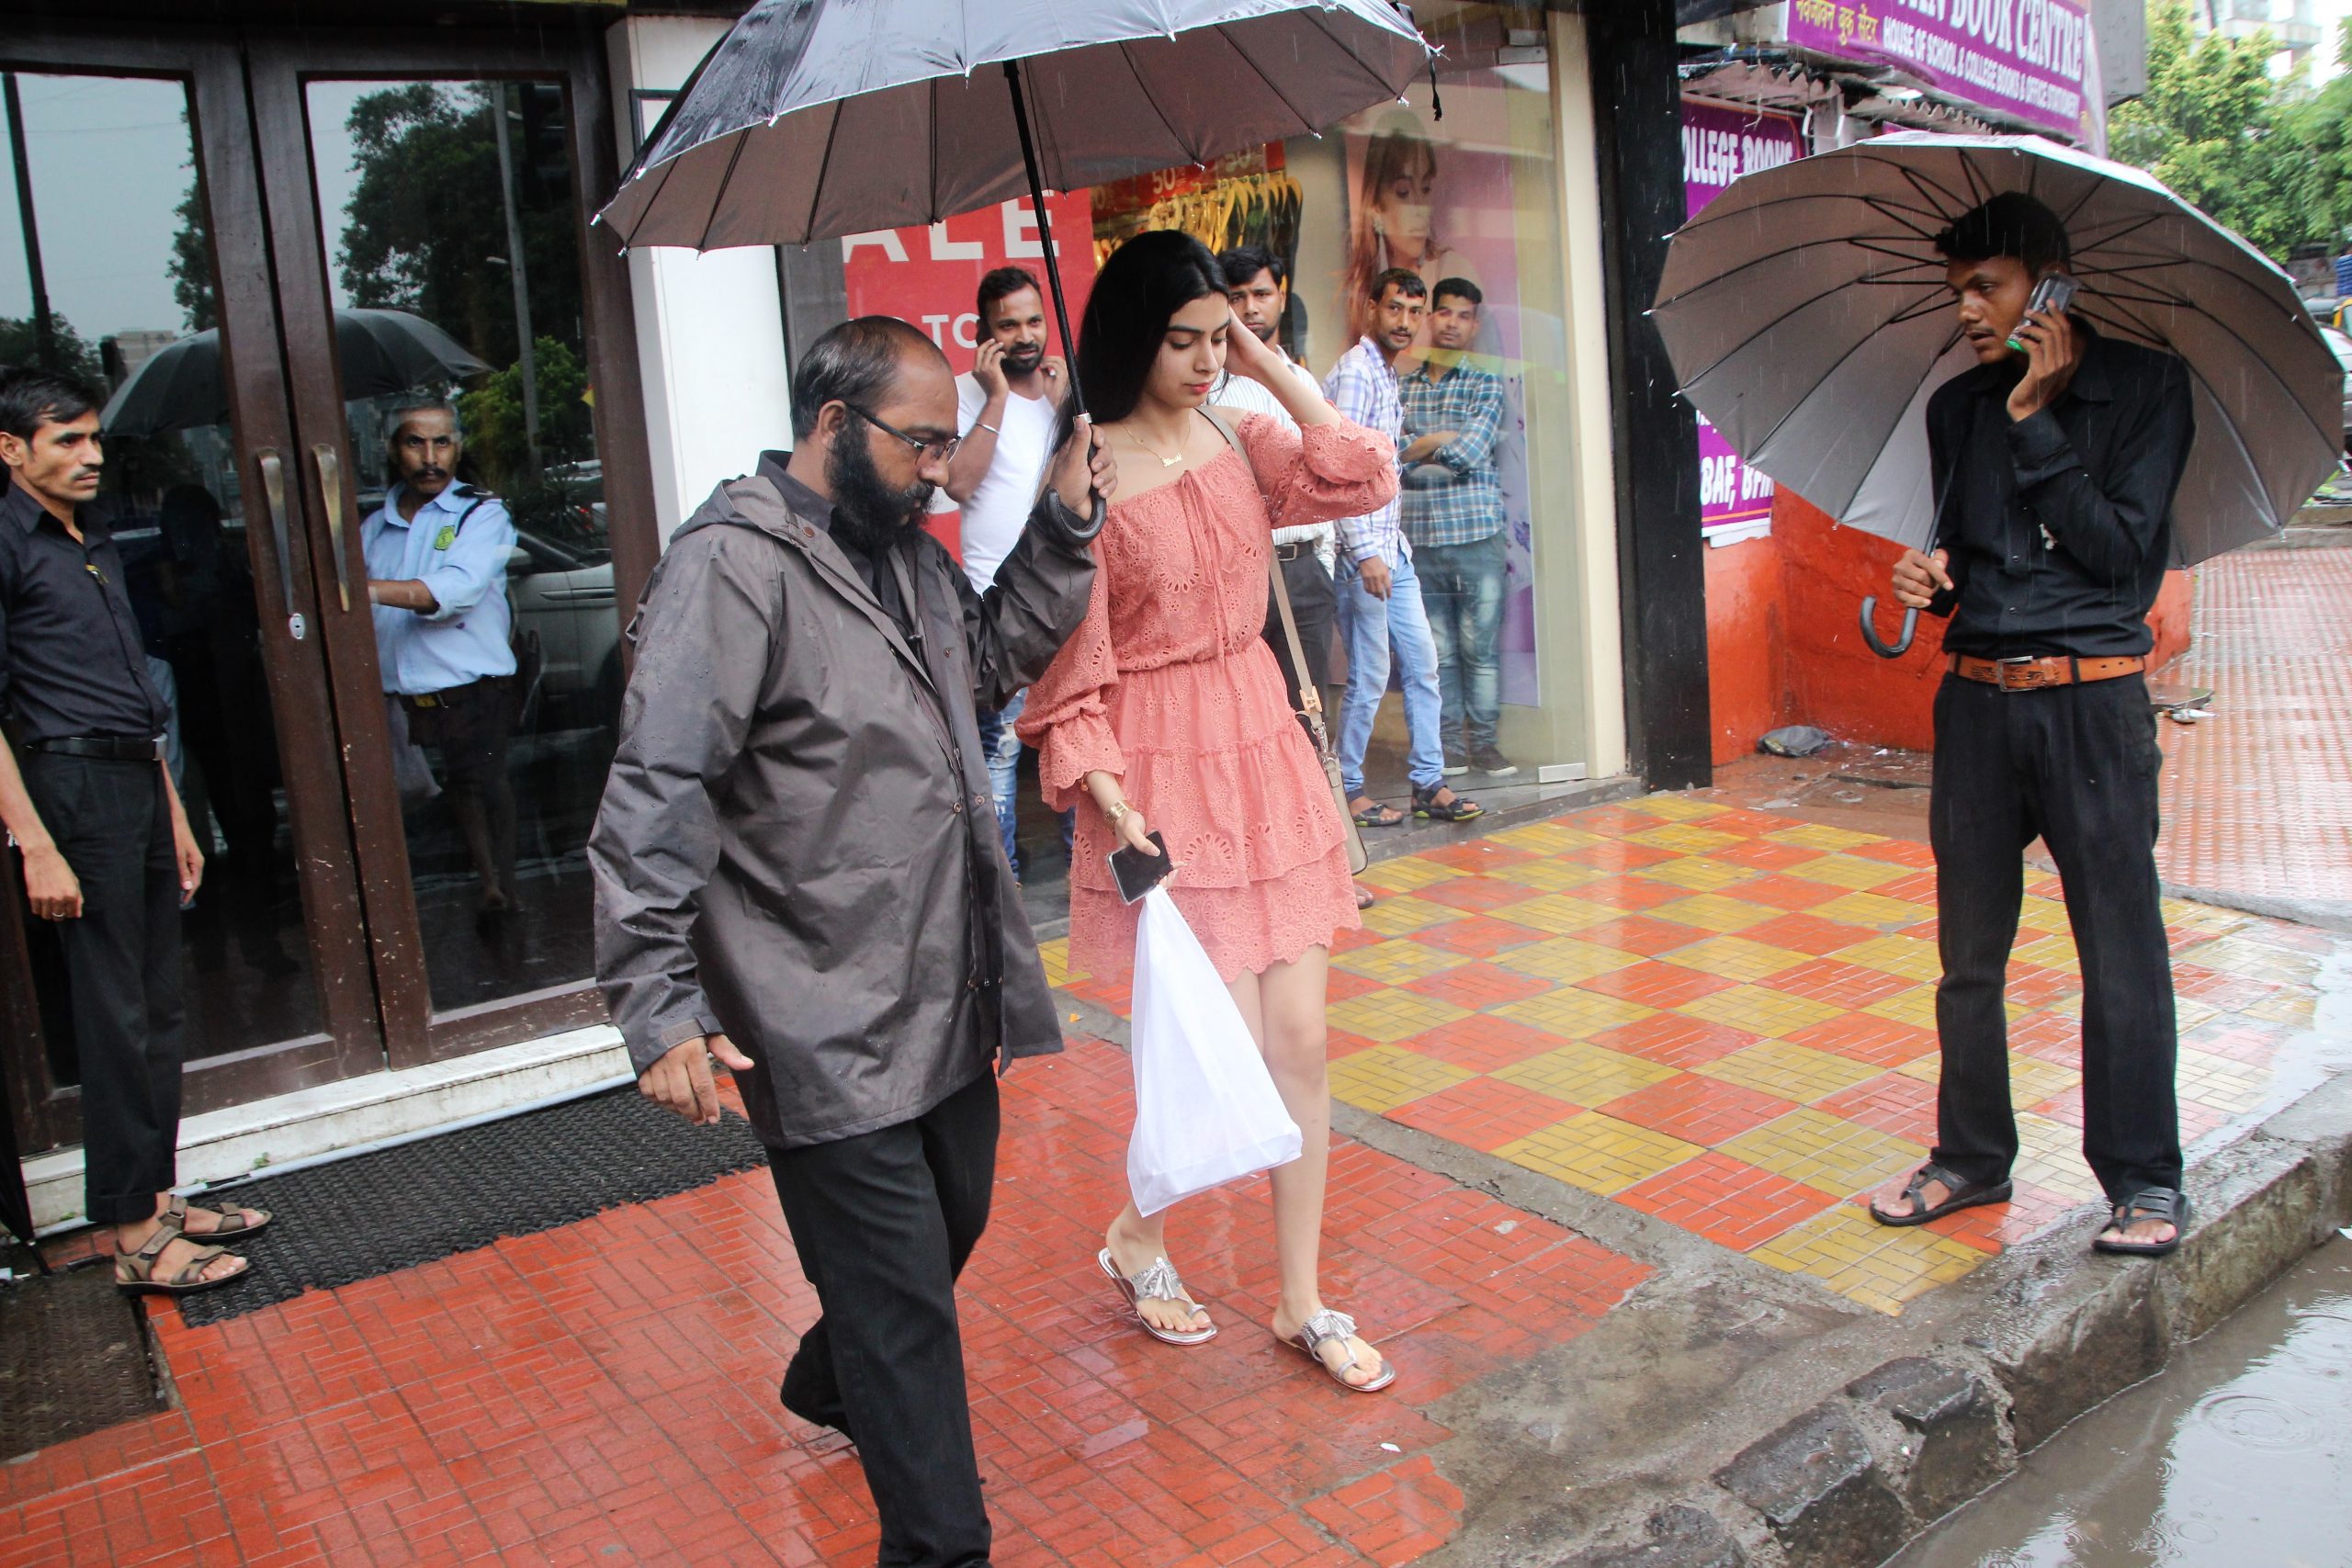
(427, 216)
(191, 263)
(20, 344)
(493, 411)
(2223, 134)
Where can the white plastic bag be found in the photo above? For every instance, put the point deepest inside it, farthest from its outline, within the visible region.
(1206, 1111)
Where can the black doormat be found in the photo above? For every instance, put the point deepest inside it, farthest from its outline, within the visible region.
(399, 1207)
(73, 1359)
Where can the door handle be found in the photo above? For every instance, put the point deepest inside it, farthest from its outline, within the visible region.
(273, 490)
(331, 496)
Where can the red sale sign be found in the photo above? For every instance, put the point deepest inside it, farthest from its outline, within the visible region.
(930, 275)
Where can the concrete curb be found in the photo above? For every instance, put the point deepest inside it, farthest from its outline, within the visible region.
(1847, 1481)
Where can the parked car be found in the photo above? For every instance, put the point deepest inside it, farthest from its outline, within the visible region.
(566, 595)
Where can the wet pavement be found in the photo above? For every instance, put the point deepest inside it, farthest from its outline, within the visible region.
(1612, 1085)
(2239, 1455)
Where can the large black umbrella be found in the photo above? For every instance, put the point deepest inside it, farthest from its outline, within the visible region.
(180, 387)
(819, 117)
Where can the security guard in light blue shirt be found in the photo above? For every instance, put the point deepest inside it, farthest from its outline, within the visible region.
(437, 554)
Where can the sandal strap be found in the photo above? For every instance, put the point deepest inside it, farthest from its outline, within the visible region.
(1156, 1281)
(1914, 1189)
(1327, 1325)
(2149, 1203)
(193, 1271)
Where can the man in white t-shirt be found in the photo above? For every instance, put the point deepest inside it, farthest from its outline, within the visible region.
(1007, 407)
(1255, 282)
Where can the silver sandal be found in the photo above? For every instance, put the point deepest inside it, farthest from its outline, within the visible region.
(1322, 1328)
(1157, 1282)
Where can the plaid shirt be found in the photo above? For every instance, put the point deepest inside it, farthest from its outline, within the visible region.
(1453, 496)
(1364, 388)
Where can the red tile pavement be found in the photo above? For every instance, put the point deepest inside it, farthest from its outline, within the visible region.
(1483, 1114)
(1697, 1110)
(606, 1391)
(1729, 1203)
(2258, 799)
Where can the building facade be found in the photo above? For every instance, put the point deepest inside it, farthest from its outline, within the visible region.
(268, 233)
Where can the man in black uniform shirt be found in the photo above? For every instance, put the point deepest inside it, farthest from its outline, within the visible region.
(2054, 468)
(106, 851)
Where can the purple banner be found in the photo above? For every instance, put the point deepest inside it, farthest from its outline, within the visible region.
(2023, 59)
(1718, 146)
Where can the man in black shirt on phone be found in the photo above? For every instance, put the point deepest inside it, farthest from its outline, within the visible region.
(2055, 463)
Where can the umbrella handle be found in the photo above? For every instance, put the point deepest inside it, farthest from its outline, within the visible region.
(1902, 643)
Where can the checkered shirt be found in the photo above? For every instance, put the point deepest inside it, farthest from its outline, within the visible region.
(1364, 388)
(1453, 496)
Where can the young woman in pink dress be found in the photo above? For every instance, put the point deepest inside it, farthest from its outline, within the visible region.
(1167, 710)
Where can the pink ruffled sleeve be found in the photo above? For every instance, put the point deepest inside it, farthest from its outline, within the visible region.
(1321, 473)
(1066, 719)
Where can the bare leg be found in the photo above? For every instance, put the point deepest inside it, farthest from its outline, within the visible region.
(1284, 1010)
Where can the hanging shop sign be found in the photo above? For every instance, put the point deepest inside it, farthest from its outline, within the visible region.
(1718, 146)
(2026, 60)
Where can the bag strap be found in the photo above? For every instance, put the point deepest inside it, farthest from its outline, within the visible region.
(1310, 701)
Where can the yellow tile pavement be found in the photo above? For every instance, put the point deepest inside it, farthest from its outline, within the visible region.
(1386, 1076)
(1560, 912)
(1392, 1015)
(1573, 1014)
(1549, 875)
(1762, 1010)
(1723, 913)
(1906, 956)
(1687, 837)
(1398, 960)
(1584, 1075)
(1871, 909)
(1836, 1156)
(1698, 873)
(1879, 1266)
(1675, 807)
(1850, 870)
(1403, 916)
(1406, 873)
(1817, 836)
(1567, 958)
(1735, 958)
(1790, 1072)
(1599, 1153)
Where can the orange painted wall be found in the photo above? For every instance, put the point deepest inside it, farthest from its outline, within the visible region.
(1748, 686)
(1785, 646)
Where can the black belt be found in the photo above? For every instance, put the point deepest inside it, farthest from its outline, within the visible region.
(1291, 552)
(104, 748)
(454, 696)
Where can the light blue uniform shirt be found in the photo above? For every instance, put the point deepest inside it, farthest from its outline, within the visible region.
(465, 571)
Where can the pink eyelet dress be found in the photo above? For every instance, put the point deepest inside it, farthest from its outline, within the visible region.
(1169, 685)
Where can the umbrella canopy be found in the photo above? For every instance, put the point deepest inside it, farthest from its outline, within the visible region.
(180, 387)
(1806, 311)
(820, 118)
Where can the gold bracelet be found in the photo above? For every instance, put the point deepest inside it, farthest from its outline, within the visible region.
(1115, 813)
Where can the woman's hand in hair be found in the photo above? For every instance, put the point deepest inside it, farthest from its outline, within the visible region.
(1247, 354)
(1085, 465)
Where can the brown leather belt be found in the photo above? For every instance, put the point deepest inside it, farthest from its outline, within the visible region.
(2033, 675)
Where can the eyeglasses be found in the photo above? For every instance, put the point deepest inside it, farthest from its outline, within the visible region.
(942, 450)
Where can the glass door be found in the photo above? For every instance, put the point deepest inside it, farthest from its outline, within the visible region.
(460, 353)
(133, 256)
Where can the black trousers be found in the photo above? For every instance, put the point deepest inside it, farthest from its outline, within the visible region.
(1315, 605)
(883, 1224)
(2076, 765)
(469, 725)
(113, 823)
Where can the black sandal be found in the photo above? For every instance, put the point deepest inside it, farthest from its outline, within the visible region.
(1962, 1195)
(1379, 816)
(2166, 1203)
(1425, 804)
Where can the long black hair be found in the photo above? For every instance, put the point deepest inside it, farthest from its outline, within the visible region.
(1144, 284)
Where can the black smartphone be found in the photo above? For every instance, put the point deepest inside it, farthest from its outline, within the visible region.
(1137, 873)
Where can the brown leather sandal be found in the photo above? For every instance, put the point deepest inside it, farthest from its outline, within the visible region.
(134, 1272)
(234, 1227)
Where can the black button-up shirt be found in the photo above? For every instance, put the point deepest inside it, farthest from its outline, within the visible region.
(70, 658)
(2060, 525)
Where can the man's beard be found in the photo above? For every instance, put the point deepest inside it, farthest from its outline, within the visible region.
(1020, 361)
(867, 513)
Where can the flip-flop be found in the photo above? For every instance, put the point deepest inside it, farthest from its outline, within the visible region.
(1157, 1282)
(1962, 1195)
(1327, 1325)
(2164, 1204)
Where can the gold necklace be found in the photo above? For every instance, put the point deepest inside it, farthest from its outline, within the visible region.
(1164, 462)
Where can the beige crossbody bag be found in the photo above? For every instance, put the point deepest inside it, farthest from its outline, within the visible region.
(1310, 709)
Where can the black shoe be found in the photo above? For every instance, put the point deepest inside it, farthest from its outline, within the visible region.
(1493, 763)
(1456, 763)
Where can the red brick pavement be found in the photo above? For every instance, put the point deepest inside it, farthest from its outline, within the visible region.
(606, 1391)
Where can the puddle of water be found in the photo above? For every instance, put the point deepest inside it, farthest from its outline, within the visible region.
(2238, 1456)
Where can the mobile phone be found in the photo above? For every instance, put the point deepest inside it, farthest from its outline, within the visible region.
(1137, 873)
(2055, 292)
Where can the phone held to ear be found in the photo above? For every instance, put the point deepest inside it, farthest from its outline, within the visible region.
(1137, 873)
(2055, 292)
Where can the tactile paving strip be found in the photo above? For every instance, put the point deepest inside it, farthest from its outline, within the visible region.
(72, 1359)
(371, 1215)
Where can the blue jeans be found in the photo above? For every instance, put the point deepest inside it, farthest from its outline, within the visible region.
(1001, 747)
(1373, 628)
(1462, 586)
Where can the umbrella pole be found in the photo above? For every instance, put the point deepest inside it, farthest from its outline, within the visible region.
(1044, 231)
